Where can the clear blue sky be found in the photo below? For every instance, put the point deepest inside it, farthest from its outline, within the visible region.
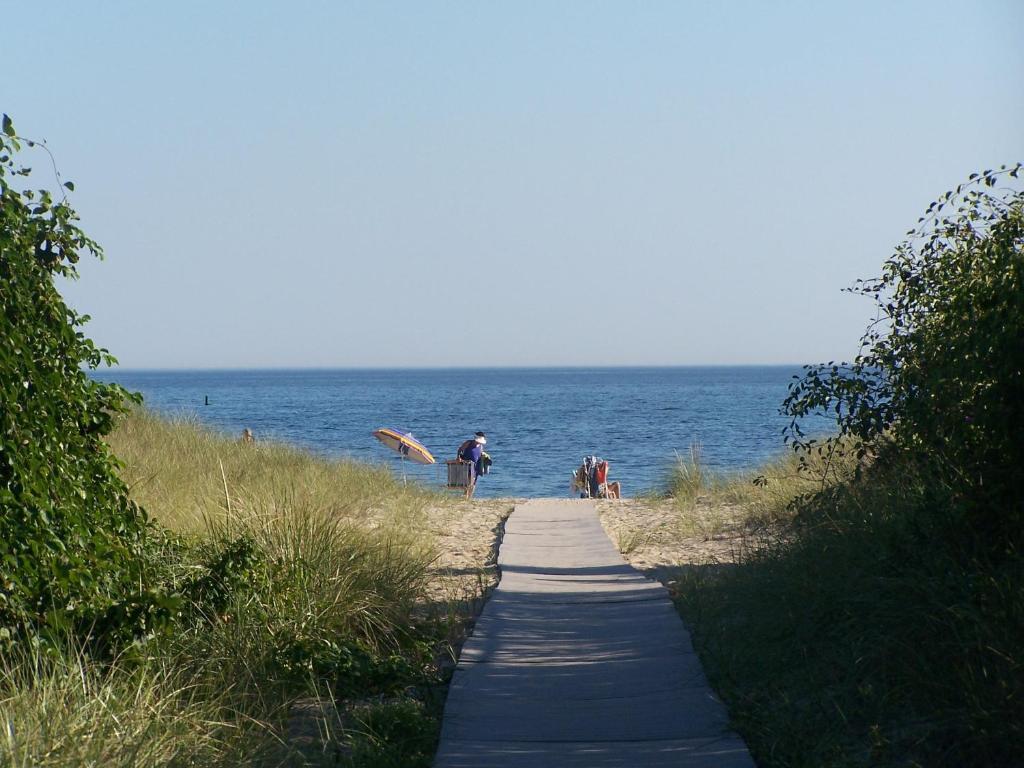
(335, 184)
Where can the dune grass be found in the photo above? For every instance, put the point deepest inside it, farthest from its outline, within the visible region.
(182, 473)
(859, 634)
(760, 500)
(295, 579)
(64, 709)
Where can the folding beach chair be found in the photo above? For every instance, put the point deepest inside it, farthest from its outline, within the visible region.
(460, 475)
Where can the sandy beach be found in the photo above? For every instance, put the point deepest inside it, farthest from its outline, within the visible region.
(653, 535)
(466, 536)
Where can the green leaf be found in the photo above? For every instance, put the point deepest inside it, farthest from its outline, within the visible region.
(8, 126)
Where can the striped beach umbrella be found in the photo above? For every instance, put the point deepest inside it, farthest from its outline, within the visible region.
(405, 444)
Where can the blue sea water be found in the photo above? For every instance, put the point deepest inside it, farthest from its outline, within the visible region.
(540, 422)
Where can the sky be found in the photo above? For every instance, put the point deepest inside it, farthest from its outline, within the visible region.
(331, 184)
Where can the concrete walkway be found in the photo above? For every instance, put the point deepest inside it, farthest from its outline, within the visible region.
(579, 660)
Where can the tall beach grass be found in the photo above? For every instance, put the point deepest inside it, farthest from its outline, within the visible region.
(183, 473)
(299, 579)
(64, 709)
(710, 502)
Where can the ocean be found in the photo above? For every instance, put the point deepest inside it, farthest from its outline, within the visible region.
(540, 422)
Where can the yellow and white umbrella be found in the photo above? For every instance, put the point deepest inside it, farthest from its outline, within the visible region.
(405, 444)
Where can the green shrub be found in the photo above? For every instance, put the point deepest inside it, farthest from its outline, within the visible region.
(940, 378)
(886, 627)
(71, 541)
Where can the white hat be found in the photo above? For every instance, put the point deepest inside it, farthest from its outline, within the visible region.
(480, 439)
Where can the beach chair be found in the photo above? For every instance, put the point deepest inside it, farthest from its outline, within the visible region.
(584, 480)
(591, 480)
(460, 475)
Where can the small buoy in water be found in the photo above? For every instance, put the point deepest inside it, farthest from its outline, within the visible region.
(207, 400)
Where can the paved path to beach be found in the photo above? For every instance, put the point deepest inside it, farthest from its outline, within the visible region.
(579, 661)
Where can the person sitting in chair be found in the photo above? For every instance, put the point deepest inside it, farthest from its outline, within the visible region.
(608, 490)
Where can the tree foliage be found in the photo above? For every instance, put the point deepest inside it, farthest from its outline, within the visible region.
(71, 541)
(940, 376)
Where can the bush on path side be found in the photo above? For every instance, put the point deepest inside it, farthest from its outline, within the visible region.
(71, 541)
(885, 626)
(286, 578)
(939, 381)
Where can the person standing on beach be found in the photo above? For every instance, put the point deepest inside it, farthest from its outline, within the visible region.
(472, 451)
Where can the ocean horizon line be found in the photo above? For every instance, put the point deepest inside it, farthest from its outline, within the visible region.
(443, 368)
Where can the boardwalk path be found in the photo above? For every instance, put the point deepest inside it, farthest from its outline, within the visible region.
(578, 660)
